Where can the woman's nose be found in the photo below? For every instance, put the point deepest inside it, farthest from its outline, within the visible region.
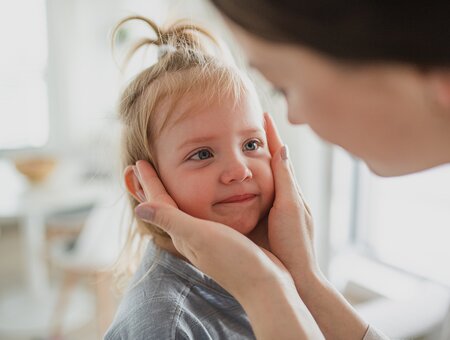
(235, 171)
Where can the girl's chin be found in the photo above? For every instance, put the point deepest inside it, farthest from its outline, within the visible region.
(244, 224)
(244, 231)
(244, 228)
(241, 225)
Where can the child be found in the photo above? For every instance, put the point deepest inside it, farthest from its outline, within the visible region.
(198, 121)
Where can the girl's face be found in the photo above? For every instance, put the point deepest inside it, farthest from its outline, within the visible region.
(215, 163)
(380, 113)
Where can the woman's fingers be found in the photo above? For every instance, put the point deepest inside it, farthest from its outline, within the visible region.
(273, 137)
(132, 184)
(299, 191)
(290, 229)
(190, 235)
(179, 225)
(217, 250)
(153, 188)
(285, 183)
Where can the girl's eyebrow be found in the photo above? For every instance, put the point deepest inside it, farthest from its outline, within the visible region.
(197, 140)
(205, 139)
(251, 131)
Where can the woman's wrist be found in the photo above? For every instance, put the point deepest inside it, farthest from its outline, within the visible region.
(334, 315)
(275, 311)
(309, 281)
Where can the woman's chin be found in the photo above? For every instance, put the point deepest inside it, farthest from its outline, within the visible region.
(391, 169)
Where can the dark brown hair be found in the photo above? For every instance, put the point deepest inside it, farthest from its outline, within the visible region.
(363, 31)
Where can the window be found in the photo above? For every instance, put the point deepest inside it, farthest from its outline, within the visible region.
(403, 222)
(23, 88)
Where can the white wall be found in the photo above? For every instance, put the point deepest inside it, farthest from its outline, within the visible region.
(83, 80)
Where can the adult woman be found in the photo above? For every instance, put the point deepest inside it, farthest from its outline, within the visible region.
(373, 79)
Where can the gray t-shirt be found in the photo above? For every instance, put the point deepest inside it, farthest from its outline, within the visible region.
(174, 300)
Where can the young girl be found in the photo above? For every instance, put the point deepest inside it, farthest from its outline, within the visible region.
(198, 121)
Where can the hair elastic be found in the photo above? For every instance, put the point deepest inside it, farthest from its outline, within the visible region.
(164, 49)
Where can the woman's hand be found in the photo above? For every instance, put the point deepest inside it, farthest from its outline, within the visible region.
(254, 276)
(290, 224)
(218, 250)
(291, 234)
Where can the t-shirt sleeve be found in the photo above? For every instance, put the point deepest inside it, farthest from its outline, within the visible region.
(152, 320)
(157, 319)
(189, 327)
(374, 334)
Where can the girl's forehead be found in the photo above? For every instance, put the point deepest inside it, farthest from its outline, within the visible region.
(194, 103)
(193, 91)
(219, 120)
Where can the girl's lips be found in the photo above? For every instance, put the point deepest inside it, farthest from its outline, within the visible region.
(238, 199)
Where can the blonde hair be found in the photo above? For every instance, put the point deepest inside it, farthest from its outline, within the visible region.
(184, 67)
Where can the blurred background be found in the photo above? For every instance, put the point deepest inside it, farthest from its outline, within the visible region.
(63, 213)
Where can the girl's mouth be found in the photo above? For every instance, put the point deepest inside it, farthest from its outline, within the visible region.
(238, 199)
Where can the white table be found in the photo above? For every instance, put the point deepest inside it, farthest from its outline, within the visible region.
(27, 310)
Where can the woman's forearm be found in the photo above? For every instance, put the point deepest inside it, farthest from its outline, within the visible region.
(336, 318)
(291, 239)
(277, 312)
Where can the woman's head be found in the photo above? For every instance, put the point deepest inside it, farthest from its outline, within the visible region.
(382, 94)
(358, 31)
(190, 104)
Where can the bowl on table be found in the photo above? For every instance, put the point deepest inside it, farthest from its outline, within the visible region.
(35, 168)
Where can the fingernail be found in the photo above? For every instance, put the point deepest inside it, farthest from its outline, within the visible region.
(284, 153)
(144, 213)
(136, 173)
(140, 194)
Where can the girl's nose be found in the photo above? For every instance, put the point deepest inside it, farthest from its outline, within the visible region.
(236, 171)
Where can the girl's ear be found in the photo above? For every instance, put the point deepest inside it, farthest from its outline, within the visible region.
(441, 87)
(132, 184)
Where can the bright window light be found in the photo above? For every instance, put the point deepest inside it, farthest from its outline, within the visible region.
(24, 119)
(405, 221)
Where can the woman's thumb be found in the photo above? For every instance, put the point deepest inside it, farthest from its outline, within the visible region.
(166, 217)
(183, 229)
(281, 171)
(286, 185)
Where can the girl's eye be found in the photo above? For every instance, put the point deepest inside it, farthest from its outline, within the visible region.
(252, 145)
(201, 155)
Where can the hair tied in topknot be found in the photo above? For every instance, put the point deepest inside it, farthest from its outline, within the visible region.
(180, 36)
(164, 50)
